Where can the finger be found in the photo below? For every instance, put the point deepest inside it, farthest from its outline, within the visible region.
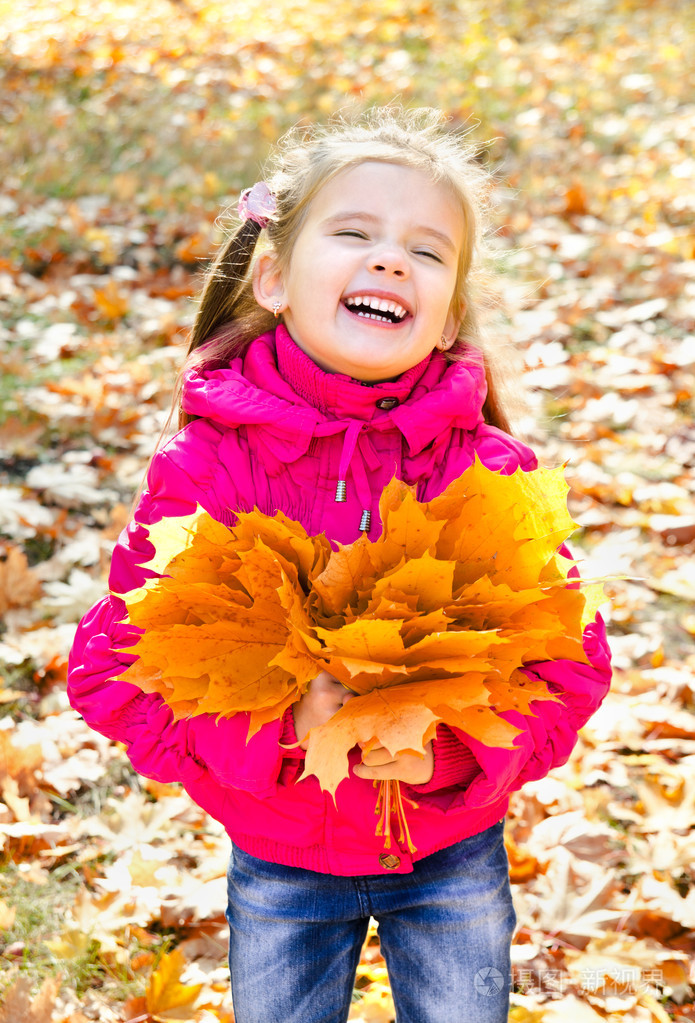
(377, 757)
(382, 772)
(410, 773)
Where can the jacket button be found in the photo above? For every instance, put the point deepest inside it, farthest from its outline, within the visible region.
(387, 403)
(389, 861)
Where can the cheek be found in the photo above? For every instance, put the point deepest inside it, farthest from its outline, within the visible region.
(447, 301)
(311, 266)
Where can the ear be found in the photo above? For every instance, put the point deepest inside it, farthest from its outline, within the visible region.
(453, 324)
(268, 286)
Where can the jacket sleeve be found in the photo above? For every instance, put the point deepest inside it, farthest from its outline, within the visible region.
(158, 746)
(454, 766)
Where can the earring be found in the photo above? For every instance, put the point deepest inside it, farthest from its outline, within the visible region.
(277, 306)
(443, 344)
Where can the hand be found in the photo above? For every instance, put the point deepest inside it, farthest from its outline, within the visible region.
(380, 765)
(324, 698)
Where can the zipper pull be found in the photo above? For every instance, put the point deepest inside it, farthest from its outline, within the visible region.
(340, 491)
(365, 521)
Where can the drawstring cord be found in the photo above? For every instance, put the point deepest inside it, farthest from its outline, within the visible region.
(357, 449)
(349, 444)
(358, 456)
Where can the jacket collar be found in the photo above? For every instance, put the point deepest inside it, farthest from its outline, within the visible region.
(274, 385)
(334, 394)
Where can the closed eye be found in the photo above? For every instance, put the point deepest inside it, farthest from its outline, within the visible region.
(353, 233)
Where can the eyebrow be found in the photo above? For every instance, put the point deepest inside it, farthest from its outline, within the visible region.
(369, 218)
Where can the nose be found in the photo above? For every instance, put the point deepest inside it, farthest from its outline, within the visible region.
(390, 259)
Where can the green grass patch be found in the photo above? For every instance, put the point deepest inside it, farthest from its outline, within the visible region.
(40, 913)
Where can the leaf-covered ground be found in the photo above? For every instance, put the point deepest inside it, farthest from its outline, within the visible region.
(124, 128)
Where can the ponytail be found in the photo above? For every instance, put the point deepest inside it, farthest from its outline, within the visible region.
(225, 284)
(228, 316)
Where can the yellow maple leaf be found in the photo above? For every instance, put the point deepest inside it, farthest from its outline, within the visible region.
(71, 944)
(165, 990)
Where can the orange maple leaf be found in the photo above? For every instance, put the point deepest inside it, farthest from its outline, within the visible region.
(18, 1003)
(19, 585)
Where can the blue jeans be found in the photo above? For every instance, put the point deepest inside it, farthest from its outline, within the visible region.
(445, 932)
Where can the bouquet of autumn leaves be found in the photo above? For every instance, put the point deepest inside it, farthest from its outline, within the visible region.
(429, 623)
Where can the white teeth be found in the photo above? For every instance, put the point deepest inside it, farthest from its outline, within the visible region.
(378, 305)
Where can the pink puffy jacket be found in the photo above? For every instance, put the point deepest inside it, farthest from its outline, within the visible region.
(277, 432)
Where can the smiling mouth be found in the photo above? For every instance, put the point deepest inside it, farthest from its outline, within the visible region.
(379, 309)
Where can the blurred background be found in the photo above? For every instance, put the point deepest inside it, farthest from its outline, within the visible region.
(126, 129)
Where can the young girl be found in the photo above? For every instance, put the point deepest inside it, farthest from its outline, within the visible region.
(343, 354)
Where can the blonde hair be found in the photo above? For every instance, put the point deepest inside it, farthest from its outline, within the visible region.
(305, 159)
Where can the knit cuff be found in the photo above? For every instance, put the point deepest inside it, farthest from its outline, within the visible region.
(288, 738)
(454, 764)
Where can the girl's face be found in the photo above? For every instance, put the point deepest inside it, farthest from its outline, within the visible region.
(369, 287)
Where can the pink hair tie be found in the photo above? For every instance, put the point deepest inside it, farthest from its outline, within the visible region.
(257, 204)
